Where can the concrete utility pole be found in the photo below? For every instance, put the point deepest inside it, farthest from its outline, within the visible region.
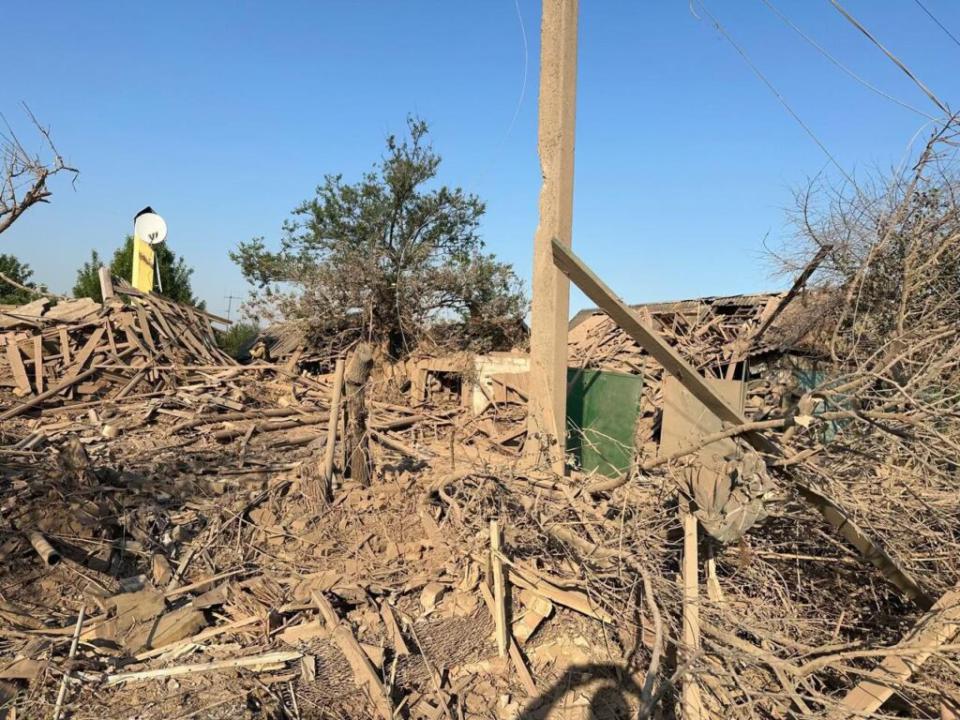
(551, 289)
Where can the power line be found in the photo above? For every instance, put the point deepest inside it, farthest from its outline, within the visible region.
(526, 66)
(939, 24)
(853, 21)
(773, 89)
(826, 53)
(494, 156)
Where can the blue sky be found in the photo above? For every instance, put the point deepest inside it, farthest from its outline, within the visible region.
(225, 115)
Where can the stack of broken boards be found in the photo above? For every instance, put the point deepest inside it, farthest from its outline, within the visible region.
(79, 350)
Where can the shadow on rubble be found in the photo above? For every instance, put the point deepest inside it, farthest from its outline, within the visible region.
(610, 700)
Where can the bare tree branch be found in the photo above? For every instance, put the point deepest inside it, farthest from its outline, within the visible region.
(24, 176)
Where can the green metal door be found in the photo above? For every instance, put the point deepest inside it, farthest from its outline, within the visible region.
(602, 412)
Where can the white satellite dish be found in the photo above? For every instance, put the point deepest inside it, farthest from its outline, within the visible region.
(150, 227)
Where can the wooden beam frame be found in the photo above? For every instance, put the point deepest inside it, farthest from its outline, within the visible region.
(594, 288)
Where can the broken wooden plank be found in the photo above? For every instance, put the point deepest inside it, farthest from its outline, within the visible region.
(270, 660)
(536, 609)
(937, 627)
(106, 282)
(64, 345)
(145, 331)
(573, 599)
(16, 366)
(200, 637)
(499, 589)
(92, 342)
(400, 646)
(270, 426)
(516, 657)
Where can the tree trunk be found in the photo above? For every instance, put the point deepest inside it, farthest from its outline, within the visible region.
(358, 463)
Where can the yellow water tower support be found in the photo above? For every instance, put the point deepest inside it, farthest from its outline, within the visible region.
(149, 229)
(143, 259)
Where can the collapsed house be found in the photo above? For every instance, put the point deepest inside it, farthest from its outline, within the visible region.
(756, 339)
(186, 536)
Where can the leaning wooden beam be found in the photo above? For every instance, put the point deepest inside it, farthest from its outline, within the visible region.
(573, 599)
(38, 399)
(671, 361)
(363, 671)
(937, 627)
(16, 365)
(792, 293)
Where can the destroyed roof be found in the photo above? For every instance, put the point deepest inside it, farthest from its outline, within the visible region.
(283, 339)
(720, 304)
(710, 332)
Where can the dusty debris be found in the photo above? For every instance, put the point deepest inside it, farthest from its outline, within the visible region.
(236, 541)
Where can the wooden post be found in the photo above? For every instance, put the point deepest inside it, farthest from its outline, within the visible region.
(690, 700)
(550, 309)
(356, 439)
(38, 362)
(334, 420)
(499, 589)
(106, 283)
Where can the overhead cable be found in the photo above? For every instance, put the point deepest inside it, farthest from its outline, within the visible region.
(856, 23)
(826, 53)
(773, 89)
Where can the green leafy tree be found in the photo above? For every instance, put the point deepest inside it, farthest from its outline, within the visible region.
(174, 274)
(388, 257)
(20, 273)
(238, 339)
(88, 280)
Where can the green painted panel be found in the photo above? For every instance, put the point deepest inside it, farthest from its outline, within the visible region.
(602, 412)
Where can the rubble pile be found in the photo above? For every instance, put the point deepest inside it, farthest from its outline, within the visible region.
(184, 536)
(82, 351)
